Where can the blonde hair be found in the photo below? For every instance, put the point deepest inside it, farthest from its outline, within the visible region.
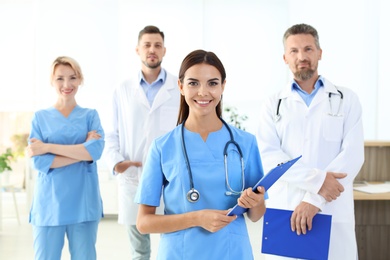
(64, 60)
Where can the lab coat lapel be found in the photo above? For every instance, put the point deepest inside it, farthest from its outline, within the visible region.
(323, 93)
(288, 93)
(330, 88)
(162, 96)
(319, 97)
(142, 97)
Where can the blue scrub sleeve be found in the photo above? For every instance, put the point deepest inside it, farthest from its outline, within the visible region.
(95, 147)
(43, 162)
(151, 184)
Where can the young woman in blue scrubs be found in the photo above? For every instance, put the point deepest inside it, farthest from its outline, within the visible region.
(198, 193)
(65, 142)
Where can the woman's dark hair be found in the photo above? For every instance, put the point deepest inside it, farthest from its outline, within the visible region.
(194, 58)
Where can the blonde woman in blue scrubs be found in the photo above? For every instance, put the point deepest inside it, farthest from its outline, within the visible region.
(65, 142)
(195, 224)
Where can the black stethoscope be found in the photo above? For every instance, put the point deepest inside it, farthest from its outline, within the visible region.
(278, 116)
(193, 195)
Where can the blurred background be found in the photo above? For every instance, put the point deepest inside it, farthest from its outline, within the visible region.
(247, 35)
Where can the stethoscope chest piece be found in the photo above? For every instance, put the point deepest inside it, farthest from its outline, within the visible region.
(193, 195)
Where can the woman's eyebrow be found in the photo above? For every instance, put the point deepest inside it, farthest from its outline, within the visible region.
(192, 79)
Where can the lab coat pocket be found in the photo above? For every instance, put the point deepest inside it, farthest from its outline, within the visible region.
(333, 128)
(168, 118)
(130, 176)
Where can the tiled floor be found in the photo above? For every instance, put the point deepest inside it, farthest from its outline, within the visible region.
(112, 242)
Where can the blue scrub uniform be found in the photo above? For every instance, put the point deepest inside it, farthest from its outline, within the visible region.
(68, 195)
(165, 172)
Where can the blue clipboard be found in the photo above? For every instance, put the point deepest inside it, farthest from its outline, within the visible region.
(267, 181)
(278, 239)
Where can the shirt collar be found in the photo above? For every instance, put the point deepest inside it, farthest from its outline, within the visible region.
(319, 83)
(161, 77)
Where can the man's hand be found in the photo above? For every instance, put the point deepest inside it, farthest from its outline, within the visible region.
(123, 166)
(331, 188)
(302, 217)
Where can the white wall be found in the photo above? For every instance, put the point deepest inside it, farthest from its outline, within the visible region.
(246, 35)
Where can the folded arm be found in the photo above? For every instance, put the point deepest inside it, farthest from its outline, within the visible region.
(64, 154)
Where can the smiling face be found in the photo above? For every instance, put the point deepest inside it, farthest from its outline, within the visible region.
(202, 88)
(151, 50)
(302, 56)
(65, 81)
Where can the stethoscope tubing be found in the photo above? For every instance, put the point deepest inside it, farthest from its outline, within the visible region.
(278, 116)
(193, 195)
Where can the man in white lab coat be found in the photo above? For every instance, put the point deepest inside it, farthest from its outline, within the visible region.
(322, 122)
(144, 107)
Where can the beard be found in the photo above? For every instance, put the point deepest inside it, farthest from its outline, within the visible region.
(303, 75)
(307, 73)
(152, 65)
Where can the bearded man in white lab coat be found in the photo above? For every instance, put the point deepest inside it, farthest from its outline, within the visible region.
(143, 108)
(322, 122)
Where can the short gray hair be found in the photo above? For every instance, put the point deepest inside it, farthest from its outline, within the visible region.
(302, 29)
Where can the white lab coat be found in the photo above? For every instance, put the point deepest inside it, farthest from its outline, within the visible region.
(133, 127)
(326, 143)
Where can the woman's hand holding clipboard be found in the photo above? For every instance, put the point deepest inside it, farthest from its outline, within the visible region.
(267, 181)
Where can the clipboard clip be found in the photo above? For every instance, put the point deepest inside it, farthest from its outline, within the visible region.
(282, 163)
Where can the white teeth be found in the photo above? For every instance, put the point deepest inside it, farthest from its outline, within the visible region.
(203, 102)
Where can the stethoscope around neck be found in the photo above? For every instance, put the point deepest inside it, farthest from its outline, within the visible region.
(278, 116)
(193, 195)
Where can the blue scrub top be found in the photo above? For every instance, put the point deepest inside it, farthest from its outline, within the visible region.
(69, 194)
(165, 172)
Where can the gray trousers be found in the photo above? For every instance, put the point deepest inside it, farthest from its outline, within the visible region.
(140, 244)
